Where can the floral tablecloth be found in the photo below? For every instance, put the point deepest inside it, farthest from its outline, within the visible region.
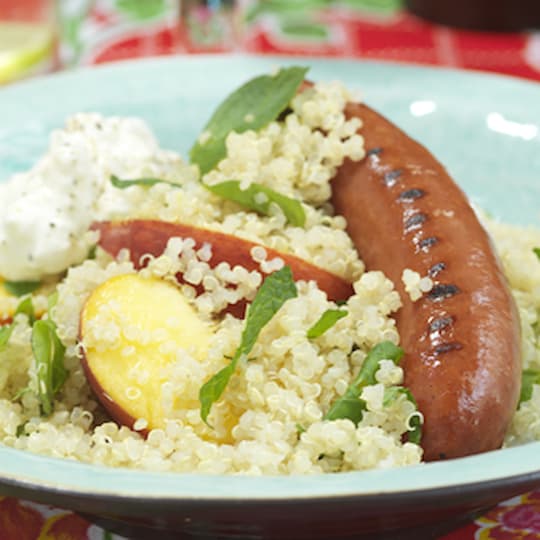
(374, 29)
(105, 30)
(515, 519)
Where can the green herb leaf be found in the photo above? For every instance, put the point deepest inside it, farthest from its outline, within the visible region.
(252, 106)
(20, 288)
(259, 198)
(51, 302)
(5, 334)
(326, 321)
(415, 428)
(26, 306)
(144, 182)
(415, 421)
(536, 251)
(276, 289)
(20, 430)
(92, 252)
(49, 357)
(385, 350)
(528, 378)
(350, 405)
(212, 390)
(21, 393)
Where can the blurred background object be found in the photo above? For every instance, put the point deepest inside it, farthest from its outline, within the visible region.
(27, 39)
(210, 26)
(96, 31)
(312, 25)
(492, 15)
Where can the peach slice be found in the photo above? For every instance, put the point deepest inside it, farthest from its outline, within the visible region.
(142, 237)
(134, 329)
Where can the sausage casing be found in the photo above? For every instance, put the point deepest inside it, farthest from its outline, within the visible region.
(462, 339)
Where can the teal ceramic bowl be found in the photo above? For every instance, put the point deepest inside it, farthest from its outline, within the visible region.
(484, 128)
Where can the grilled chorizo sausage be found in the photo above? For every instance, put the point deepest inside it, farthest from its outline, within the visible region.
(462, 338)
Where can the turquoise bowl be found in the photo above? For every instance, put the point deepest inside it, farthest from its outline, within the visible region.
(484, 128)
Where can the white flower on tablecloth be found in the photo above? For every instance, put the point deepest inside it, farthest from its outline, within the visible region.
(531, 53)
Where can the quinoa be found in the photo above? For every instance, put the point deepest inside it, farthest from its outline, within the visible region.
(270, 418)
(521, 266)
(416, 285)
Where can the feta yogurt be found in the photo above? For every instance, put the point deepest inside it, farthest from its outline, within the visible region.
(46, 213)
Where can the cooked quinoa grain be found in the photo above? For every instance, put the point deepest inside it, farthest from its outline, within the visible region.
(270, 418)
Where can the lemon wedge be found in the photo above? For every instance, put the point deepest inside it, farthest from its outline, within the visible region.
(23, 47)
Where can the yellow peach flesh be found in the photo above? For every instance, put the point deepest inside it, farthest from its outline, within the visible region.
(133, 329)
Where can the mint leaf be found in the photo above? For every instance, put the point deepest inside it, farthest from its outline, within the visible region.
(5, 334)
(385, 350)
(536, 251)
(415, 428)
(144, 182)
(326, 321)
(92, 252)
(415, 421)
(252, 106)
(350, 405)
(49, 357)
(52, 300)
(276, 289)
(20, 288)
(27, 307)
(21, 393)
(259, 198)
(528, 378)
(212, 390)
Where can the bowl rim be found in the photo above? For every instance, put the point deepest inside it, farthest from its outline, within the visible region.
(490, 470)
(271, 61)
(32, 472)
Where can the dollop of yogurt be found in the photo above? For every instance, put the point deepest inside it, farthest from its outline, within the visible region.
(45, 214)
